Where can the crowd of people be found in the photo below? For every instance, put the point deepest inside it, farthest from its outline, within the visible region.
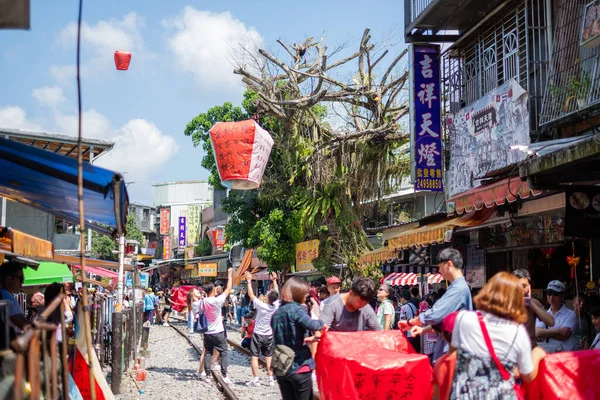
(498, 336)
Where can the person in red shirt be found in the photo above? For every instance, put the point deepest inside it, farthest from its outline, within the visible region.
(247, 330)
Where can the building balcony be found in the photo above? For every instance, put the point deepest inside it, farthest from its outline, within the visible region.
(574, 77)
(443, 20)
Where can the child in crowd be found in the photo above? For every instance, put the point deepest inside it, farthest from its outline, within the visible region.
(247, 330)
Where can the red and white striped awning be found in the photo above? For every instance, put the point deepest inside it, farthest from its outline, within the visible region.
(409, 279)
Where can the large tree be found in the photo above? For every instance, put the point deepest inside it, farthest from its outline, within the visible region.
(335, 154)
(103, 246)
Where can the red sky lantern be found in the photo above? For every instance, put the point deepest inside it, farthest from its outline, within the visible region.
(242, 151)
(122, 60)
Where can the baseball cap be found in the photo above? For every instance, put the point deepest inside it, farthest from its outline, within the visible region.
(333, 280)
(556, 286)
(150, 290)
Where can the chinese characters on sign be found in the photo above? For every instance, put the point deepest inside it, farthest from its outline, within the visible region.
(193, 224)
(166, 247)
(207, 269)
(427, 136)
(182, 231)
(306, 252)
(165, 221)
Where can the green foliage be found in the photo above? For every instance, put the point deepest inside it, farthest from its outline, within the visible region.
(204, 248)
(103, 247)
(133, 232)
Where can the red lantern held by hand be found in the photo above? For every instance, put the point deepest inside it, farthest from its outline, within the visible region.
(122, 60)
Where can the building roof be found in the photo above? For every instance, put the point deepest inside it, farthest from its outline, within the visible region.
(61, 144)
(180, 182)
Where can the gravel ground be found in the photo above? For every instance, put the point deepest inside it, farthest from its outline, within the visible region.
(172, 371)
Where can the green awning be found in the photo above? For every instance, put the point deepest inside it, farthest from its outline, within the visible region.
(47, 273)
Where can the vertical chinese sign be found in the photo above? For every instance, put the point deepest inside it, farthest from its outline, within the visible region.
(306, 252)
(166, 247)
(427, 135)
(182, 232)
(193, 224)
(165, 220)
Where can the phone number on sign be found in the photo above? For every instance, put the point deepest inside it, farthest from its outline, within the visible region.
(429, 184)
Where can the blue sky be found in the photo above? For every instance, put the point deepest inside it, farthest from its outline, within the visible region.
(181, 54)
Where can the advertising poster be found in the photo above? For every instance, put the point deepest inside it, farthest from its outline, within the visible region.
(182, 232)
(193, 224)
(207, 269)
(482, 134)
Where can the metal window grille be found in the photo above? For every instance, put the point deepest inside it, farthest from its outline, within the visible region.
(574, 76)
(511, 44)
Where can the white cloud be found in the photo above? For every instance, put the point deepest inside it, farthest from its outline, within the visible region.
(203, 41)
(141, 149)
(16, 118)
(50, 96)
(100, 41)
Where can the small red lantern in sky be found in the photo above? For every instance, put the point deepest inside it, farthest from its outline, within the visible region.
(242, 151)
(122, 60)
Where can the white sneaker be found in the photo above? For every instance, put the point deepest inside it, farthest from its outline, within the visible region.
(226, 380)
(165, 324)
(191, 331)
(201, 375)
(271, 381)
(253, 383)
(206, 378)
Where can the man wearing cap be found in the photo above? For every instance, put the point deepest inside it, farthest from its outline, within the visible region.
(333, 286)
(565, 319)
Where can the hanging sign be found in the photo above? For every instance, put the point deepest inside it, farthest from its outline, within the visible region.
(582, 212)
(166, 247)
(427, 134)
(306, 252)
(207, 269)
(241, 151)
(182, 231)
(193, 224)
(165, 220)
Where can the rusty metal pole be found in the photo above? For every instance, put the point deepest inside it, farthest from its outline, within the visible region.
(117, 355)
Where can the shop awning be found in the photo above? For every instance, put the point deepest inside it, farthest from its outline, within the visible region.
(555, 164)
(47, 273)
(106, 273)
(488, 196)
(379, 255)
(48, 181)
(438, 232)
(409, 279)
(25, 245)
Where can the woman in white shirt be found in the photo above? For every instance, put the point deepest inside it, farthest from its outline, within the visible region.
(502, 307)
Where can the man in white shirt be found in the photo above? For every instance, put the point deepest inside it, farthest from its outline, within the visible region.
(262, 338)
(564, 319)
(214, 338)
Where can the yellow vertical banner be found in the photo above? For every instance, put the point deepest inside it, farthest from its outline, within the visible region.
(306, 252)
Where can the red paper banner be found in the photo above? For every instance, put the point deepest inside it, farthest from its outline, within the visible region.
(371, 366)
(165, 221)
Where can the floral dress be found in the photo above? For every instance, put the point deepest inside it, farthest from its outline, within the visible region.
(478, 378)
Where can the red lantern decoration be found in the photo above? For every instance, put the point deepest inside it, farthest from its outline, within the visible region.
(548, 251)
(122, 60)
(242, 151)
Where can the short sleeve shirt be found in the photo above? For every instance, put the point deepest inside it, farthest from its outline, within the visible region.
(338, 318)
(386, 308)
(14, 308)
(212, 310)
(564, 318)
(510, 340)
(264, 313)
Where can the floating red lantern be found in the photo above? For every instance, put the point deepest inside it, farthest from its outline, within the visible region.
(241, 151)
(122, 60)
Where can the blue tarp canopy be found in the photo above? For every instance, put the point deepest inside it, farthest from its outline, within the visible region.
(48, 181)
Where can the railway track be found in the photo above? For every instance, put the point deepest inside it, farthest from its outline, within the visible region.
(237, 389)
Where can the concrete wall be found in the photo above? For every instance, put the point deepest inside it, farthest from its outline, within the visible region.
(29, 220)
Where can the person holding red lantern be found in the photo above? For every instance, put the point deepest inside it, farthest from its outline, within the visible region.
(565, 321)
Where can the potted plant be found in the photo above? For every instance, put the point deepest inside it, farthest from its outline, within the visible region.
(575, 89)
